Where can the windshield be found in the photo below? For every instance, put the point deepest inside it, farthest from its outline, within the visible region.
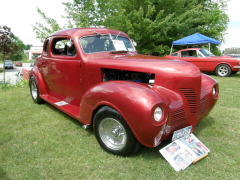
(106, 43)
(205, 52)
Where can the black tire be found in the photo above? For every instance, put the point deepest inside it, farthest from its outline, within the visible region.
(34, 90)
(113, 133)
(223, 70)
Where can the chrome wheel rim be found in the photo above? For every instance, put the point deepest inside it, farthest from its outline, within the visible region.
(112, 134)
(222, 71)
(34, 90)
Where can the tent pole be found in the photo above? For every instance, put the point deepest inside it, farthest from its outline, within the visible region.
(171, 49)
(209, 47)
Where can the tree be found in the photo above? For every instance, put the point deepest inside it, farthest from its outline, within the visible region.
(154, 24)
(18, 54)
(43, 32)
(7, 46)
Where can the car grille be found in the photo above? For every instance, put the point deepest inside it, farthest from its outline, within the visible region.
(202, 107)
(178, 120)
(191, 97)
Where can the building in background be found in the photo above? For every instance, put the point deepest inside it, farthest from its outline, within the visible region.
(232, 51)
(34, 52)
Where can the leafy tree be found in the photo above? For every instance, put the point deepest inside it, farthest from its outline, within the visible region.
(27, 47)
(83, 13)
(7, 46)
(43, 32)
(18, 54)
(154, 24)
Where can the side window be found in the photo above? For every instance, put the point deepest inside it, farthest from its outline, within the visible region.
(190, 53)
(184, 54)
(193, 53)
(63, 47)
(46, 47)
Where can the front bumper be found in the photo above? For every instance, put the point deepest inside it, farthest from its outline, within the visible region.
(236, 67)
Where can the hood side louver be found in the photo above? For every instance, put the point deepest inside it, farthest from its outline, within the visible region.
(191, 97)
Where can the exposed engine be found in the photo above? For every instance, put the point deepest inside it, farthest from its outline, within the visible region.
(114, 74)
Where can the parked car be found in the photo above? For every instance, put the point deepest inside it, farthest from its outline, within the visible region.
(222, 66)
(237, 56)
(8, 64)
(18, 63)
(96, 76)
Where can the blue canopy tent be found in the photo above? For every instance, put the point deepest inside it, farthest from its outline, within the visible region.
(196, 38)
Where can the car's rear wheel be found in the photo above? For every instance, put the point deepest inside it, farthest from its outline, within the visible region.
(113, 133)
(35, 91)
(223, 70)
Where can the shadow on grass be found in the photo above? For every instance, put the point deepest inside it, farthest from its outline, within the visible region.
(205, 123)
(150, 153)
(144, 152)
(69, 118)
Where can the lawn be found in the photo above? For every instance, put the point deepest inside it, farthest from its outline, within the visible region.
(40, 142)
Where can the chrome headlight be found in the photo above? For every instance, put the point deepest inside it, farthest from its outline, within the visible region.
(214, 91)
(158, 114)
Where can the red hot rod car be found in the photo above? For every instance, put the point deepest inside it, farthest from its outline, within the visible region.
(96, 76)
(222, 65)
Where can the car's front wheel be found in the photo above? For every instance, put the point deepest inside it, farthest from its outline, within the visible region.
(113, 133)
(223, 70)
(35, 91)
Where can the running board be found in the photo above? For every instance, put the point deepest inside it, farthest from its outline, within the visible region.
(71, 110)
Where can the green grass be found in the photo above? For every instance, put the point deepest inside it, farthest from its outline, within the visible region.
(40, 142)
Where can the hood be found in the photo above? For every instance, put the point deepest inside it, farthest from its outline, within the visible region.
(146, 64)
(171, 74)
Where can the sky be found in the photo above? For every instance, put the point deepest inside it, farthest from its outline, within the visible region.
(21, 15)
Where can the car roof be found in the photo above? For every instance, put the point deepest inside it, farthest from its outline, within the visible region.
(78, 32)
(190, 49)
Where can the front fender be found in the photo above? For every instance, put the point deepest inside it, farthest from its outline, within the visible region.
(135, 102)
(208, 99)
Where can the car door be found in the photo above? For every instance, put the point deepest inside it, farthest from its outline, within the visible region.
(63, 68)
(195, 58)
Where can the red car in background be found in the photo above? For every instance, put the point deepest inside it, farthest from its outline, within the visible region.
(18, 63)
(207, 62)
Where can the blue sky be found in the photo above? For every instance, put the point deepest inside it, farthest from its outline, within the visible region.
(20, 15)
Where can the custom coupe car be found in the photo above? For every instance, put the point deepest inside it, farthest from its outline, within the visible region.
(222, 66)
(96, 76)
